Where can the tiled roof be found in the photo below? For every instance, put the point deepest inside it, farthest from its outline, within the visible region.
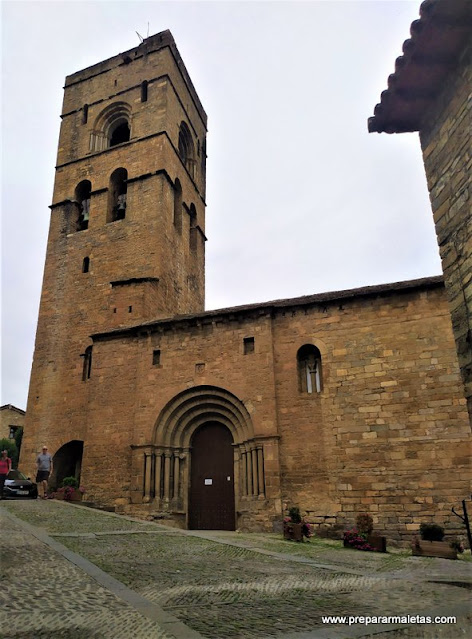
(437, 41)
(266, 307)
(11, 407)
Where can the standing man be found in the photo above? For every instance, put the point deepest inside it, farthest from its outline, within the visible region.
(5, 467)
(44, 463)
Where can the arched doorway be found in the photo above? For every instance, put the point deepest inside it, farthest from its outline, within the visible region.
(67, 462)
(211, 493)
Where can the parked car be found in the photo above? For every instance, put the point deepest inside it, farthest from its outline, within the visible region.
(18, 486)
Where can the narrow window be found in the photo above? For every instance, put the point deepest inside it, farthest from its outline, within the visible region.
(144, 91)
(82, 198)
(178, 205)
(156, 357)
(117, 192)
(186, 148)
(85, 113)
(12, 433)
(193, 229)
(248, 345)
(310, 378)
(86, 265)
(87, 368)
(130, 309)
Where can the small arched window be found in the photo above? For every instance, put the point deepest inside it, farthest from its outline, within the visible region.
(119, 132)
(193, 228)
(111, 127)
(117, 194)
(82, 198)
(144, 91)
(86, 265)
(178, 205)
(310, 377)
(186, 148)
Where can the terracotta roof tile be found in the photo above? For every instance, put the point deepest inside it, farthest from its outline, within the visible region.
(436, 43)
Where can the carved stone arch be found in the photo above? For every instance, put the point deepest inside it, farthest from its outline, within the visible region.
(107, 123)
(182, 415)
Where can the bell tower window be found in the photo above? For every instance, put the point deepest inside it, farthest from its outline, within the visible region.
(117, 195)
(187, 149)
(82, 200)
(119, 133)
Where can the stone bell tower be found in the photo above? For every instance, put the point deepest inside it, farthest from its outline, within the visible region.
(126, 240)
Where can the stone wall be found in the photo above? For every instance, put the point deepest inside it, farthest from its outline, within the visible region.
(446, 143)
(388, 434)
(10, 416)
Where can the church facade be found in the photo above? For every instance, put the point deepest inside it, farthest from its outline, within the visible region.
(339, 403)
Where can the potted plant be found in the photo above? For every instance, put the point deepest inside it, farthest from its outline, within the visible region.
(432, 544)
(365, 526)
(361, 536)
(70, 490)
(295, 529)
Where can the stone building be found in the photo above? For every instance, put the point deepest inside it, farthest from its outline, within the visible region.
(429, 92)
(337, 402)
(11, 419)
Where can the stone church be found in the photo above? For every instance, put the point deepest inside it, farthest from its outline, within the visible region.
(339, 403)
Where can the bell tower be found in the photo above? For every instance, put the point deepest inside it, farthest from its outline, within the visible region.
(126, 241)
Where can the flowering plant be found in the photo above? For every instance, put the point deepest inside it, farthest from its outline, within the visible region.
(295, 518)
(68, 491)
(355, 539)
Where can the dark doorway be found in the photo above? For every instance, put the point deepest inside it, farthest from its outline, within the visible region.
(67, 462)
(211, 499)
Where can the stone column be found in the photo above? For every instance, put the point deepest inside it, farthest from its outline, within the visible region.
(260, 469)
(255, 490)
(176, 486)
(167, 462)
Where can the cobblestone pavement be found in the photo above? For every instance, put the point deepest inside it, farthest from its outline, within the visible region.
(220, 585)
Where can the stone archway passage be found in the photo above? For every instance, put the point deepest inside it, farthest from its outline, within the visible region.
(211, 493)
(67, 462)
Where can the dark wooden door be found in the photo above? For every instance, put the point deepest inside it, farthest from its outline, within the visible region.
(211, 499)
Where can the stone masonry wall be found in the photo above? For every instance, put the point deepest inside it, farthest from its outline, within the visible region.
(446, 143)
(388, 434)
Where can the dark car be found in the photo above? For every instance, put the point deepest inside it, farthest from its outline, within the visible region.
(18, 486)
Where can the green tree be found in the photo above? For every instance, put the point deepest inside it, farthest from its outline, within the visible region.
(18, 438)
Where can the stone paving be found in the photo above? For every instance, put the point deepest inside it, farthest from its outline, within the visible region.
(213, 585)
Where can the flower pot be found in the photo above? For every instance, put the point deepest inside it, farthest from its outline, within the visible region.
(378, 542)
(293, 532)
(75, 495)
(59, 496)
(421, 548)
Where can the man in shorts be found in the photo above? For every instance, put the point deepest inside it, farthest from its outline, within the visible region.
(44, 463)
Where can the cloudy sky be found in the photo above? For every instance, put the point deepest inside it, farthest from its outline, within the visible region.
(300, 198)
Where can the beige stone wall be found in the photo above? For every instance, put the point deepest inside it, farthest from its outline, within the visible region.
(447, 142)
(10, 416)
(162, 271)
(388, 434)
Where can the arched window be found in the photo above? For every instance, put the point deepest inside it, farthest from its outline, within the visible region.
(186, 148)
(144, 91)
(117, 192)
(82, 199)
(119, 132)
(309, 369)
(86, 265)
(193, 228)
(112, 127)
(178, 205)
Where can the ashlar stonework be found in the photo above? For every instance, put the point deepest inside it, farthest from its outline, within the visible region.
(338, 402)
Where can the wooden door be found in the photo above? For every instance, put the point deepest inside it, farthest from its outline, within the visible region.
(211, 498)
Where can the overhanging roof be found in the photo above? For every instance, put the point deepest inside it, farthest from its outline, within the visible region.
(437, 40)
